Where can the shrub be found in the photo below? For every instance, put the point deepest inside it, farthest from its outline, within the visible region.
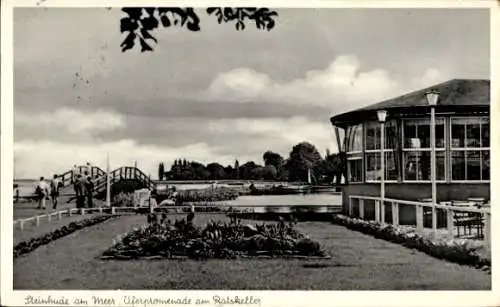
(456, 250)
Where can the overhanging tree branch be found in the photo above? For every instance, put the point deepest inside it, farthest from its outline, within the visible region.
(140, 21)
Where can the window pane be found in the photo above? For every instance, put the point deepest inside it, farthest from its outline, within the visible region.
(473, 165)
(424, 135)
(458, 165)
(372, 166)
(410, 133)
(485, 156)
(418, 165)
(411, 161)
(373, 136)
(424, 166)
(355, 138)
(458, 133)
(440, 139)
(485, 133)
(473, 135)
(440, 166)
(391, 172)
(390, 135)
(417, 133)
(355, 170)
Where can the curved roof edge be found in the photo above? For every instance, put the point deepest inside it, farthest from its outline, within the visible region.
(455, 93)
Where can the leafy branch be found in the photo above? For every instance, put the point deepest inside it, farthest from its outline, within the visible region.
(140, 21)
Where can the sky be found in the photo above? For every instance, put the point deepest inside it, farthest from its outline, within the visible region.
(220, 94)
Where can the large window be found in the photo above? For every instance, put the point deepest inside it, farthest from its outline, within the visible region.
(354, 153)
(372, 152)
(470, 145)
(355, 167)
(355, 139)
(417, 150)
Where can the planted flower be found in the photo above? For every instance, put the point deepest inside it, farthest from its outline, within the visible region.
(214, 240)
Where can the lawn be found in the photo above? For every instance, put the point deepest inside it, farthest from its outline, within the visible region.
(359, 262)
(31, 231)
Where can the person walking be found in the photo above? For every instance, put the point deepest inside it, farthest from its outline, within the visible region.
(79, 191)
(76, 172)
(89, 191)
(42, 191)
(88, 169)
(55, 186)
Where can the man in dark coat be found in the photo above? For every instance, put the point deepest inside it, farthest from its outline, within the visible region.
(79, 191)
(89, 191)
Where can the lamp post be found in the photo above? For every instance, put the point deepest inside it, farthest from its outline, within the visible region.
(432, 99)
(382, 114)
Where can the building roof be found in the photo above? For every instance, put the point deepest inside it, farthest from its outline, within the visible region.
(454, 94)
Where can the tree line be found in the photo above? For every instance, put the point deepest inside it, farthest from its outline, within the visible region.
(303, 157)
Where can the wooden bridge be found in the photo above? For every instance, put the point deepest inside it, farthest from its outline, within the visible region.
(99, 177)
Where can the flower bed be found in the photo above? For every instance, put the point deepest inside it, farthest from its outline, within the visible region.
(456, 250)
(182, 239)
(29, 246)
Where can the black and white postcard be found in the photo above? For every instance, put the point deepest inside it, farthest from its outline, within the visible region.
(174, 154)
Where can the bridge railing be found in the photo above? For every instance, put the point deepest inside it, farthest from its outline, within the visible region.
(125, 172)
(451, 212)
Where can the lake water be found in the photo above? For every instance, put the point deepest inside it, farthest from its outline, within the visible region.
(26, 187)
(282, 203)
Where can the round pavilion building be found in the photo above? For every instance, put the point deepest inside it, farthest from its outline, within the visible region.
(462, 145)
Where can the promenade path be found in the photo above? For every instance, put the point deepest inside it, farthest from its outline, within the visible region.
(359, 262)
(26, 209)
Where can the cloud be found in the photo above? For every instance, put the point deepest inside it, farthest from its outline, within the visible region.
(342, 86)
(38, 158)
(242, 114)
(277, 133)
(431, 76)
(72, 120)
(66, 125)
(222, 141)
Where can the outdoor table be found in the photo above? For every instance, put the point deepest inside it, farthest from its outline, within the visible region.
(479, 202)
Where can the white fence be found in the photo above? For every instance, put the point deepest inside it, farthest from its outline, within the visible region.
(419, 212)
(57, 214)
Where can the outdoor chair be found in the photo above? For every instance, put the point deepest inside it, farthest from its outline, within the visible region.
(467, 220)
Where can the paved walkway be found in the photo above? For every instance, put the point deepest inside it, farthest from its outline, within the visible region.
(359, 262)
(28, 209)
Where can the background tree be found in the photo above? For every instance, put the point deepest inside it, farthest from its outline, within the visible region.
(330, 167)
(270, 172)
(161, 171)
(140, 21)
(229, 172)
(246, 170)
(216, 170)
(237, 169)
(304, 156)
(199, 171)
(274, 159)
